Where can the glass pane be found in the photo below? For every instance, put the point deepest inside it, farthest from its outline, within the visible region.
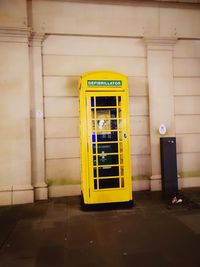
(104, 125)
(119, 113)
(106, 137)
(119, 100)
(93, 138)
(104, 159)
(120, 124)
(107, 148)
(92, 101)
(122, 170)
(106, 113)
(95, 184)
(114, 124)
(122, 182)
(108, 171)
(94, 148)
(121, 159)
(113, 113)
(94, 160)
(120, 148)
(109, 183)
(103, 101)
(95, 172)
(92, 113)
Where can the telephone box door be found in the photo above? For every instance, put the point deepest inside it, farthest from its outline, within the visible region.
(108, 147)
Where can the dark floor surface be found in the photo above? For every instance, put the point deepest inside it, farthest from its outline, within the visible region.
(58, 233)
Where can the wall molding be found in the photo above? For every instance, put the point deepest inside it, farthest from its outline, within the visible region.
(160, 43)
(16, 194)
(36, 39)
(40, 191)
(14, 35)
(20, 194)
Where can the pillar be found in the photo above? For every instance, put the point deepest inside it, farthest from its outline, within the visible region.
(37, 117)
(15, 153)
(161, 99)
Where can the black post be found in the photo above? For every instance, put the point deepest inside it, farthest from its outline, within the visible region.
(168, 167)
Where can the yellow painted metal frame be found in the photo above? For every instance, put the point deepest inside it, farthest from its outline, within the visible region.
(96, 84)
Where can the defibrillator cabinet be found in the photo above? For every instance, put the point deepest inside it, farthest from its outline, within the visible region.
(105, 138)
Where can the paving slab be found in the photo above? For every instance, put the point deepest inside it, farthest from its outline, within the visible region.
(58, 232)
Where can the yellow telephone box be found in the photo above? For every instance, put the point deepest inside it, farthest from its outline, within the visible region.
(105, 138)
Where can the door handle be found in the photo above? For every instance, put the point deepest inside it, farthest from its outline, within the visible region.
(125, 135)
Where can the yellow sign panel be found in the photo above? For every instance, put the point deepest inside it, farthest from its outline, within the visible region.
(106, 80)
(104, 83)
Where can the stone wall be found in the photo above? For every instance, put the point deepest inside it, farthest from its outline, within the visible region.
(46, 45)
